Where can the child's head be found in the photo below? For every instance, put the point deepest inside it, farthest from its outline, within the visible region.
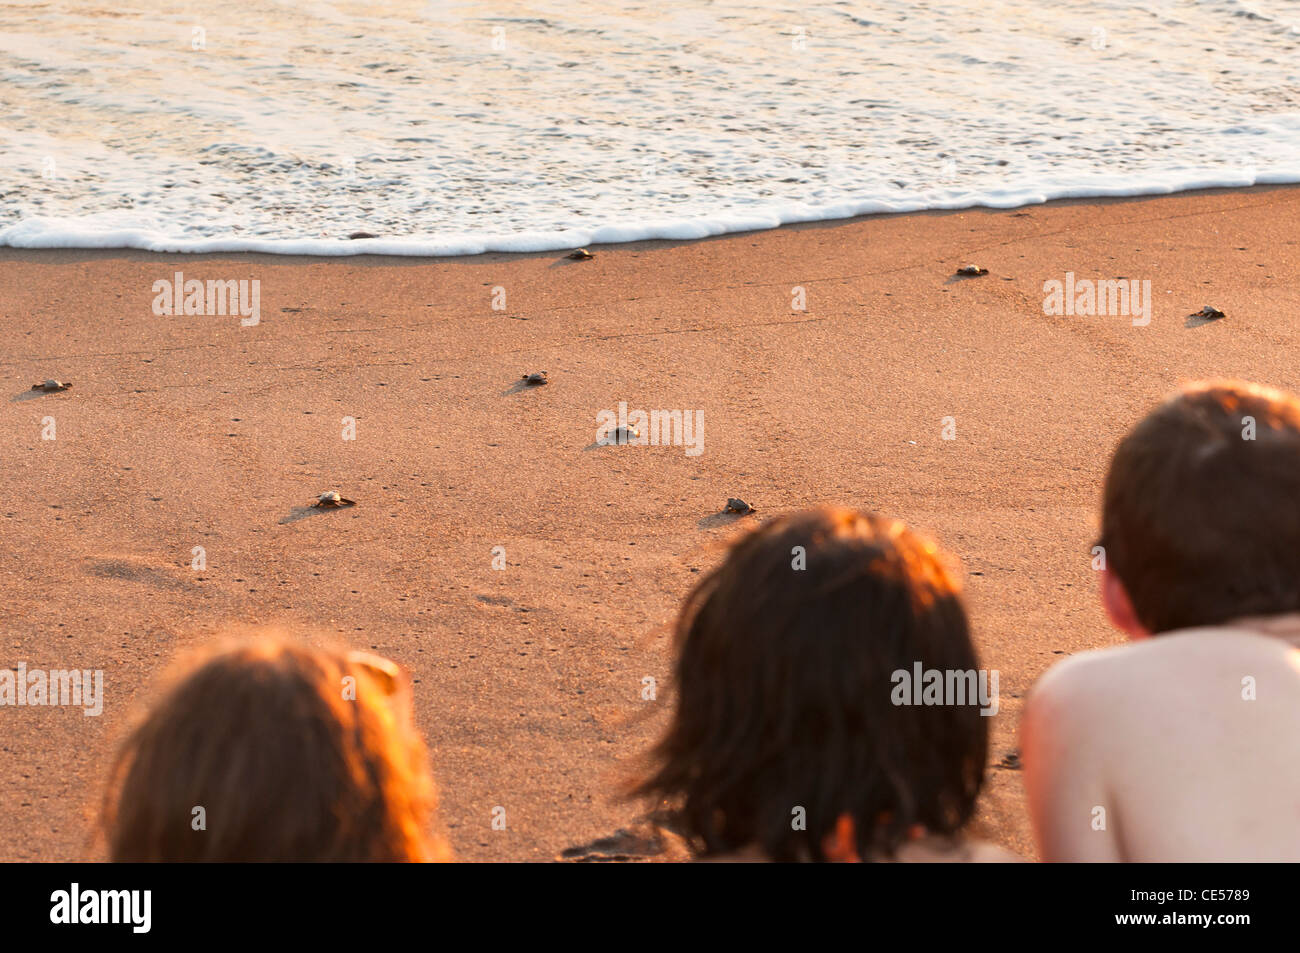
(292, 754)
(784, 673)
(1201, 512)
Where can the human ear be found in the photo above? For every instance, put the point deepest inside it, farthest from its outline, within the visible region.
(1119, 607)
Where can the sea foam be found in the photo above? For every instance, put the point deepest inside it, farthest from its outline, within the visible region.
(448, 129)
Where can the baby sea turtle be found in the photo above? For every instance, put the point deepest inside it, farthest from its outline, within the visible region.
(535, 379)
(619, 437)
(738, 506)
(972, 271)
(580, 254)
(1208, 314)
(331, 500)
(358, 235)
(51, 385)
(1011, 762)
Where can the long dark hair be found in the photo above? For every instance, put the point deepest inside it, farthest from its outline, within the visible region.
(784, 681)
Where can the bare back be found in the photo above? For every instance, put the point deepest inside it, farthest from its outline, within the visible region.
(1180, 747)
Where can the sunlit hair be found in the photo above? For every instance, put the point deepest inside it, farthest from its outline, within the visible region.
(1201, 510)
(294, 754)
(783, 701)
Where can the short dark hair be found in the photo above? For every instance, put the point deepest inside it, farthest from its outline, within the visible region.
(783, 687)
(1201, 509)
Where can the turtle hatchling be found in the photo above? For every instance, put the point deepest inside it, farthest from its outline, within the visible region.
(331, 500)
(619, 437)
(738, 506)
(535, 379)
(51, 385)
(972, 271)
(580, 254)
(1208, 313)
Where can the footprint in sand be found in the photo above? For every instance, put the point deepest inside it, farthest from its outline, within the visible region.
(133, 569)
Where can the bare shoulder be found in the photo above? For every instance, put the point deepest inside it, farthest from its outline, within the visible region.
(1075, 681)
(1135, 661)
(1085, 691)
(1174, 666)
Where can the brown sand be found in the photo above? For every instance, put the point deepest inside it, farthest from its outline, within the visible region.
(195, 431)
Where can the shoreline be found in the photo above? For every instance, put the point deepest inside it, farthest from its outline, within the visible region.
(190, 431)
(333, 247)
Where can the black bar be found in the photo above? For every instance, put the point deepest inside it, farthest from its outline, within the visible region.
(580, 904)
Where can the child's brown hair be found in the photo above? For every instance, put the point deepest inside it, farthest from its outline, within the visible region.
(293, 753)
(1201, 509)
(784, 693)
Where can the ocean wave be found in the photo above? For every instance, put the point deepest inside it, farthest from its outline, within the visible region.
(73, 233)
(286, 129)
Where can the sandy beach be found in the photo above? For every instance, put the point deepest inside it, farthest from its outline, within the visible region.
(195, 431)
